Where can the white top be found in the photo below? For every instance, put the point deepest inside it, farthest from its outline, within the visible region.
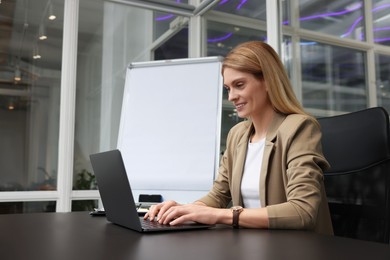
(250, 183)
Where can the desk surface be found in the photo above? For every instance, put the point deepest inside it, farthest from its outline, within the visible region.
(80, 236)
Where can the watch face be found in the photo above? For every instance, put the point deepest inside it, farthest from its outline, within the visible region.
(236, 208)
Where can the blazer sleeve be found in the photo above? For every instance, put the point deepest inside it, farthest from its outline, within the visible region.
(301, 163)
(219, 195)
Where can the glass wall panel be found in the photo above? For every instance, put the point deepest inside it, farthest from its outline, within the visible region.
(170, 31)
(30, 76)
(382, 65)
(333, 78)
(111, 36)
(84, 205)
(221, 38)
(287, 55)
(381, 21)
(164, 21)
(173, 47)
(246, 8)
(338, 18)
(27, 207)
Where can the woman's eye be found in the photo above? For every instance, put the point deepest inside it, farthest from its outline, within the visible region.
(239, 85)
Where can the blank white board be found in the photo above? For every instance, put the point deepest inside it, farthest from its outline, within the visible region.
(170, 125)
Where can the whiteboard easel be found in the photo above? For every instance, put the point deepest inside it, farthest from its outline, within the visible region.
(170, 126)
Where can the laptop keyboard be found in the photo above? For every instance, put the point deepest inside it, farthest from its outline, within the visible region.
(152, 224)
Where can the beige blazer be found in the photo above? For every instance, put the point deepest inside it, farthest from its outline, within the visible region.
(291, 181)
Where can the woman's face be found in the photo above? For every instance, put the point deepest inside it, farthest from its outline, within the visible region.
(247, 93)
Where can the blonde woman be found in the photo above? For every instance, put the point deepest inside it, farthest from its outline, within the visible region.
(272, 169)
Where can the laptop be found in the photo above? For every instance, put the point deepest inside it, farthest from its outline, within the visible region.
(117, 196)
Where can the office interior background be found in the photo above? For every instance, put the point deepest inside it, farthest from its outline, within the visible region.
(63, 66)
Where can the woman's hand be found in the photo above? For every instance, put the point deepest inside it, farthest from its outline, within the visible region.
(173, 213)
(156, 211)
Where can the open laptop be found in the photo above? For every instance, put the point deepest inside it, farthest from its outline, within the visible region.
(117, 197)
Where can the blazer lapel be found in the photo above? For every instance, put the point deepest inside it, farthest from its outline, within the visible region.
(238, 166)
(268, 148)
(268, 151)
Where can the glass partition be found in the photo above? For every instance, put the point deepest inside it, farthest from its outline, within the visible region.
(381, 21)
(111, 36)
(30, 76)
(250, 9)
(383, 80)
(333, 77)
(84, 205)
(27, 207)
(222, 37)
(343, 19)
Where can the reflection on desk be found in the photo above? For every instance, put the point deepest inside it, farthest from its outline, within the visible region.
(80, 236)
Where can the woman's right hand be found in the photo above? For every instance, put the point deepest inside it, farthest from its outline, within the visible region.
(156, 211)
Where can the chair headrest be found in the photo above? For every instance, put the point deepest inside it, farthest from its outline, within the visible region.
(355, 140)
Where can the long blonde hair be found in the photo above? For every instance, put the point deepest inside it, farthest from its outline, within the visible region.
(260, 59)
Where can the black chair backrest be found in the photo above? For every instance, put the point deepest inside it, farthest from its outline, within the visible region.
(357, 146)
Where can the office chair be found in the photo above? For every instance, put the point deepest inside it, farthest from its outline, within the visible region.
(357, 146)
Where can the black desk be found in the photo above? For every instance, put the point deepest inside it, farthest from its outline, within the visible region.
(78, 236)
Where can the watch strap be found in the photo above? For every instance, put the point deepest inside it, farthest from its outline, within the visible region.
(236, 214)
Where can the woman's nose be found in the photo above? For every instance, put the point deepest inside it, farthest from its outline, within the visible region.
(232, 95)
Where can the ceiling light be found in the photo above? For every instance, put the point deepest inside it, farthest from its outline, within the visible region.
(11, 104)
(52, 15)
(42, 32)
(18, 75)
(36, 54)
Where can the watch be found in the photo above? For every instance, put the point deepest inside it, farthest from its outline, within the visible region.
(236, 213)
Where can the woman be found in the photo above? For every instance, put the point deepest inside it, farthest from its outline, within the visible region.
(272, 168)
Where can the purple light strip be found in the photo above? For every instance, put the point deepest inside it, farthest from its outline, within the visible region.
(228, 35)
(241, 4)
(381, 29)
(223, 2)
(330, 14)
(380, 7)
(162, 18)
(382, 39)
(355, 23)
(360, 18)
(307, 43)
(312, 17)
(166, 17)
